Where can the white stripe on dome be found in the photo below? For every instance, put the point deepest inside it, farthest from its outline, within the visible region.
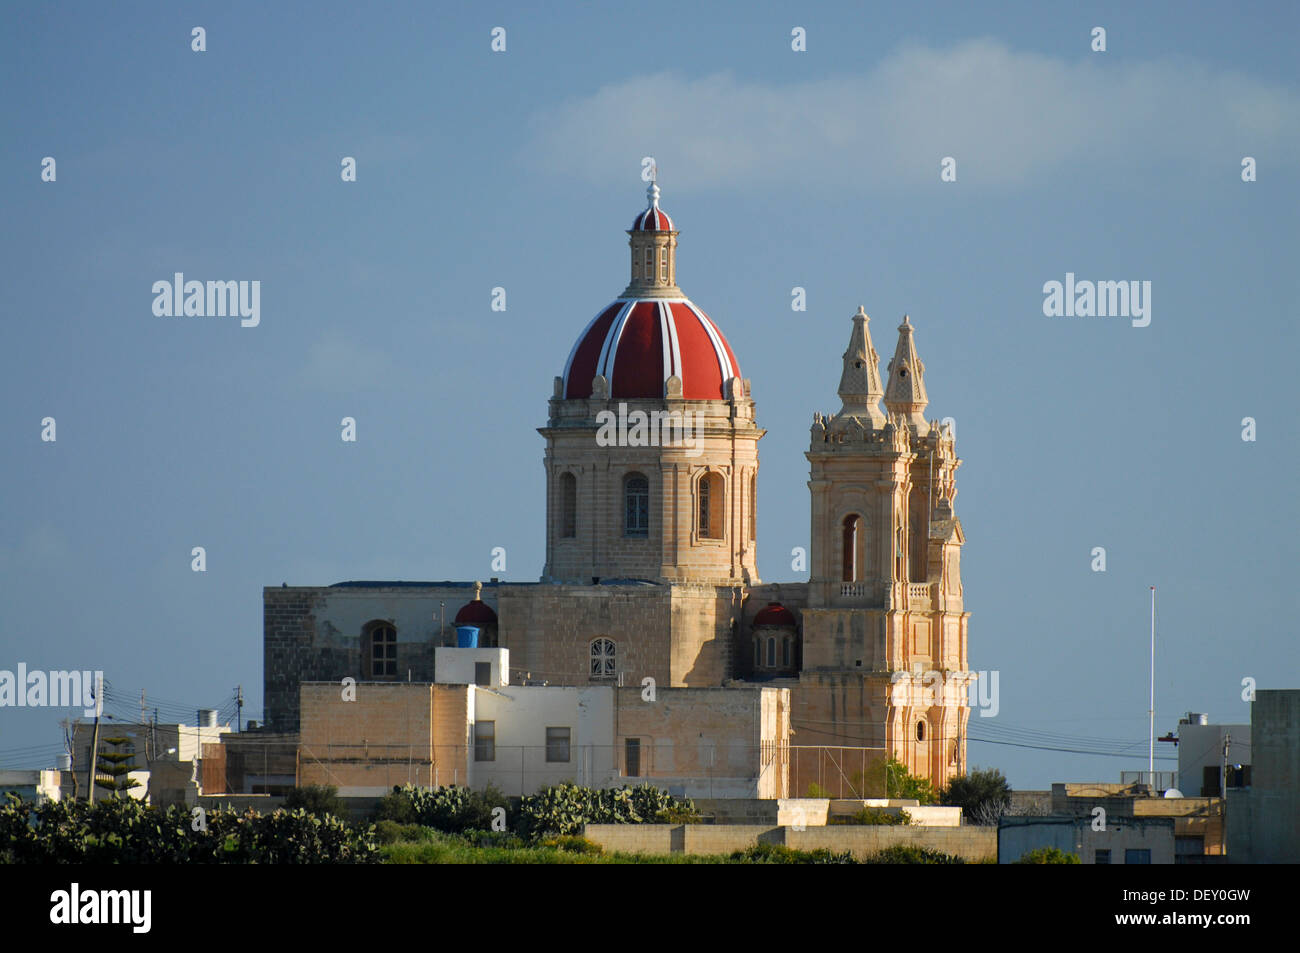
(677, 347)
(724, 362)
(666, 338)
(568, 365)
(605, 366)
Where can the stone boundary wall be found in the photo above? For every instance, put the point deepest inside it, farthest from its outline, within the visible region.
(971, 843)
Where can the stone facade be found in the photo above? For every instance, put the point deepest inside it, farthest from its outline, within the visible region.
(651, 568)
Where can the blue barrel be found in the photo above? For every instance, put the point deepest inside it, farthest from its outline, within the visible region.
(467, 636)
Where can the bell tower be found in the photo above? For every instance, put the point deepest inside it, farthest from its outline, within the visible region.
(885, 602)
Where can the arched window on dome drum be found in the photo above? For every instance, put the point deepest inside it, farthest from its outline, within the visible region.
(636, 506)
(604, 658)
(852, 529)
(649, 261)
(712, 497)
(568, 505)
(380, 641)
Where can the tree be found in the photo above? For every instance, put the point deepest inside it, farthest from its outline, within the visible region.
(893, 778)
(113, 769)
(983, 795)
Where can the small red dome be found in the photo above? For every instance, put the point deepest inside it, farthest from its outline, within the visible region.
(774, 614)
(638, 343)
(653, 219)
(477, 612)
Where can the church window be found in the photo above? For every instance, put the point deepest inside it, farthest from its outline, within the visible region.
(711, 498)
(381, 649)
(604, 658)
(771, 652)
(758, 653)
(852, 529)
(920, 731)
(649, 262)
(568, 505)
(785, 652)
(636, 505)
(663, 263)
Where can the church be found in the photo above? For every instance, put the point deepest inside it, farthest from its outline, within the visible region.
(651, 546)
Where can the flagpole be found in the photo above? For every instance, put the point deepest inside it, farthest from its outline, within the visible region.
(1151, 711)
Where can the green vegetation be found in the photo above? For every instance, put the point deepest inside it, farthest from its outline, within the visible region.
(129, 832)
(874, 815)
(1048, 855)
(906, 854)
(983, 795)
(317, 800)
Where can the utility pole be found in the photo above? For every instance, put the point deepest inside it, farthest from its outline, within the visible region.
(239, 707)
(94, 741)
(1151, 711)
(1223, 792)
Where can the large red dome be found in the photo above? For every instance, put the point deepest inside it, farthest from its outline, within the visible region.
(638, 343)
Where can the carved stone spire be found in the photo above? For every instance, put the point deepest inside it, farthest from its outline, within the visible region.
(905, 392)
(860, 388)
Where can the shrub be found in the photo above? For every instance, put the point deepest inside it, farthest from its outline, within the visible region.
(983, 795)
(450, 809)
(317, 800)
(573, 844)
(874, 815)
(764, 853)
(567, 808)
(816, 790)
(1048, 855)
(909, 854)
(130, 832)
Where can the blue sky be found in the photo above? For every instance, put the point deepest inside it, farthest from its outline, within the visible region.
(817, 169)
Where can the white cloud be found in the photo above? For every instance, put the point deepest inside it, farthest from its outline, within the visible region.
(1009, 118)
(337, 363)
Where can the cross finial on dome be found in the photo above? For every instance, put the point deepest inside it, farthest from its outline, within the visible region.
(652, 191)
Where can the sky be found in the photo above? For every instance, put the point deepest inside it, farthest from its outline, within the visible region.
(520, 169)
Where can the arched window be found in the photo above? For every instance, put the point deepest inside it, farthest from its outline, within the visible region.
(771, 651)
(380, 642)
(568, 505)
(663, 262)
(712, 497)
(785, 652)
(604, 658)
(636, 505)
(753, 506)
(852, 528)
(920, 731)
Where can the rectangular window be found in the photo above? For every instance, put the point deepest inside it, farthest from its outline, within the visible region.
(663, 263)
(485, 741)
(785, 652)
(482, 673)
(1102, 857)
(704, 507)
(632, 755)
(1135, 856)
(649, 263)
(557, 744)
